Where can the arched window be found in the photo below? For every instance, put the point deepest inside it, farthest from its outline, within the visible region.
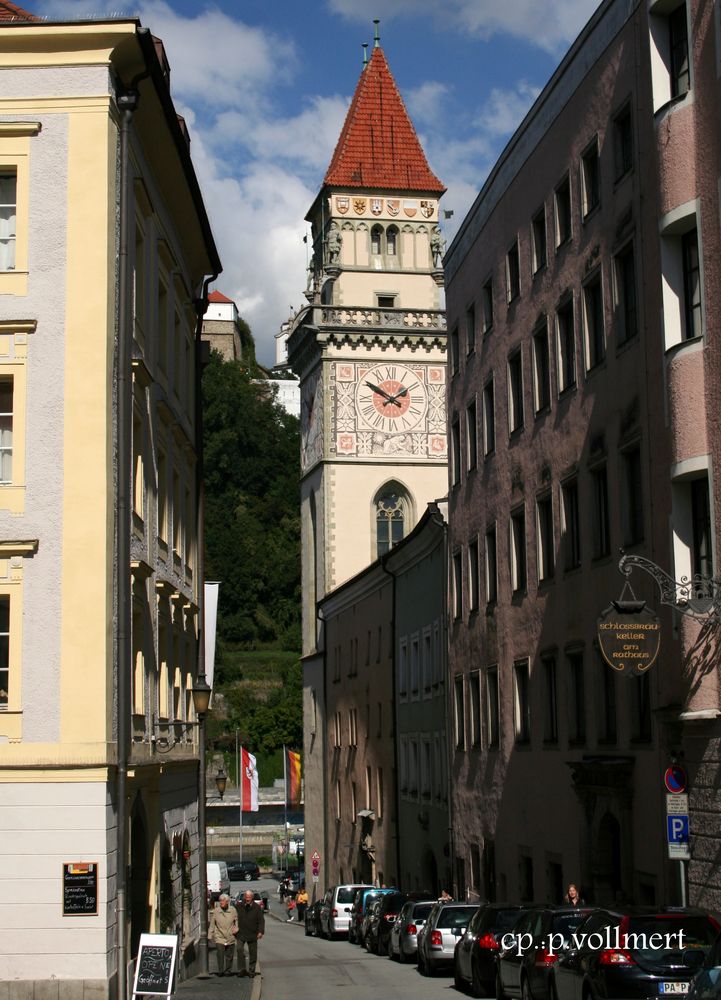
(376, 240)
(392, 241)
(393, 513)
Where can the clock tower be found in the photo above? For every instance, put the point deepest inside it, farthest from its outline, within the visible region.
(370, 352)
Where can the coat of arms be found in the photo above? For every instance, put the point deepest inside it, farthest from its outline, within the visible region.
(393, 205)
(376, 206)
(359, 205)
(427, 208)
(410, 208)
(342, 204)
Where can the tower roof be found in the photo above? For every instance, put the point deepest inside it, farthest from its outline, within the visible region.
(378, 146)
(216, 296)
(11, 12)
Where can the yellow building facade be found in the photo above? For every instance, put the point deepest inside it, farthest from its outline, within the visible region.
(105, 257)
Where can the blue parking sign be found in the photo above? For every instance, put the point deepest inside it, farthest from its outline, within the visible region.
(677, 829)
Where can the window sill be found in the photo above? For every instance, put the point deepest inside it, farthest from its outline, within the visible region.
(565, 242)
(588, 217)
(567, 392)
(623, 345)
(596, 367)
(539, 270)
(672, 104)
(618, 181)
(695, 343)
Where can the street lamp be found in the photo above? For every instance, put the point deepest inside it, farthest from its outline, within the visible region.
(221, 780)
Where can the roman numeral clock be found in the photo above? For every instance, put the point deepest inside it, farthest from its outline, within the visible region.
(388, 408)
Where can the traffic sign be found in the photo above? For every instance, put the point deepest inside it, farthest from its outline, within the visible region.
(677, 829)
(677, 805)
(675, 779)
(315, 856)
(316, 879)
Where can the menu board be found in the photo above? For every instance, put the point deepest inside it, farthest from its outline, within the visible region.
(155, 965)
(80, 888)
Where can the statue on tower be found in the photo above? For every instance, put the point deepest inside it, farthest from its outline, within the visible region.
(438, 246)
(335, 239)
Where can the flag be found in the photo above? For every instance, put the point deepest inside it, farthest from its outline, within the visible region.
(293, 774)
(249, 782)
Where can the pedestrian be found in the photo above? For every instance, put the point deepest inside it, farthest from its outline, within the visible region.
(573, 897)
(301, 901)
(251, 928)
(445, 897)
(291, 910)
(223, 929)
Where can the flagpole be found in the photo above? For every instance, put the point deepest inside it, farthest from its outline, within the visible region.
(240, 810)
(285, 804)
(240, 793)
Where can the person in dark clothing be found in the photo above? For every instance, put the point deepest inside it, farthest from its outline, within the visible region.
(573, 896)
(251, 928)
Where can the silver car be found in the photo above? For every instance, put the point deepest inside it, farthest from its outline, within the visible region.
(445, 925)
(404, 933)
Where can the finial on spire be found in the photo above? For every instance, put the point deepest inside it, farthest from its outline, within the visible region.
(365, 54)
(376, 34)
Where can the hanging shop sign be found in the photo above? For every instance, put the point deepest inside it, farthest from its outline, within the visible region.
(629, 637)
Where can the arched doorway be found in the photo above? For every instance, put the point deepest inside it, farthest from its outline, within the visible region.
(139, 880)
(429, 872)
(607, 873)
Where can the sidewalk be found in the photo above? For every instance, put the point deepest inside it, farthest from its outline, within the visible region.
(220, 988)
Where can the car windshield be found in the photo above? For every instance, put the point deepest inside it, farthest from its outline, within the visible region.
(665, 940)
(456, 916)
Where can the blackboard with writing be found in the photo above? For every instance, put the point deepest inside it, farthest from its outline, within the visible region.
(80, 889)
(155, 965)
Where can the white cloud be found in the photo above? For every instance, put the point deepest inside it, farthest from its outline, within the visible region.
(426, 104)
(505, 109)
(550, 25)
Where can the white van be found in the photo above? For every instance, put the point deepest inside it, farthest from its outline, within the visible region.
(218, 880)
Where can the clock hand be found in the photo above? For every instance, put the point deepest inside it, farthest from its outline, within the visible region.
(382, 392)
(403, 392)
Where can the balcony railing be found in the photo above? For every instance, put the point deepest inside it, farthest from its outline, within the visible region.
(386, 319)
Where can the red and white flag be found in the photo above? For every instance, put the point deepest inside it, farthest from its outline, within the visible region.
(249, 779)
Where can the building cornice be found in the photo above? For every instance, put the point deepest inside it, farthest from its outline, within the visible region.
(354, 590)
(26, 547)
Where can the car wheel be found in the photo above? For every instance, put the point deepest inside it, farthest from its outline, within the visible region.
(247, 876)
(526, 990)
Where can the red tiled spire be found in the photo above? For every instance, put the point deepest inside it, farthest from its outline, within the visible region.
(378, 146)
(216, 296)
(11, 12)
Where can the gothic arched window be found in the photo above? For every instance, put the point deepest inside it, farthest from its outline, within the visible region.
(392, 241)
(392, 511)
(376, 240)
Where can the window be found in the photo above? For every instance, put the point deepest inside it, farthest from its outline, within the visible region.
(518, 550)
(413, 780)
(541, 370)
(576, 699)
(470, 329)
(138, 476)
(702, 549)
(177, 515)
(392, 514)
(562, 201)
(544, 534)
(691, 285)
(493, 718)
(591, 177)
(392, 241)
(6, 430)
(427, 666)
(353, 727)
(459, 713)
(403, 668)
(600, 515)
(4, 651)
(427, 773)
(622, 142)
(368, 788)
(379, 793)
(513, 273)
(162, 496)
(593, 317)
(624, 271)
(487, 303)
(475, 866)
(491, 567)
(473, 580)
(521, 702)
(415, 667)
(515, 393)
(455, 452)
(632, 499)
(471, 437)
(457, 585)
(8, 219)
(353, 802)
(337, 802)
(455, 357)
(678, 52)
(474, 686)
(566, 346)
(550, 699)
(386, 301)
(538, 233)
(489, 871)
(570, 527)
(139, 266)
(376, 240)
(525, 880)
(489, 418)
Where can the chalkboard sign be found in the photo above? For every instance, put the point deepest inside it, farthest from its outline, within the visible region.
(80, 889)
(155, 965)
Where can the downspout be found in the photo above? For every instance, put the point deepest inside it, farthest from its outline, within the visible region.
(201, 306)
(321, 636)
(396, 755)
(127, 99)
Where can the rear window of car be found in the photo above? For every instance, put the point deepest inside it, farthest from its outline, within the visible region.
(501, 920)
(698, 932)
(421, 910)
(567, 923)
(459, 916)
(347, 895)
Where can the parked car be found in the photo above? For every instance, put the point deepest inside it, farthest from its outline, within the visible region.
(243, 871)
(217, 879)
(619, 961)
(312, 919)
(404, 933)
(474, 961)
(446, 923)
(707, 984)
(363, 898)
(335, 911)
(523, 969)
(370, 919)
(378, 935)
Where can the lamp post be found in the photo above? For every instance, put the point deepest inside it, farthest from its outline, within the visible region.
(221, 780)
(201, 701)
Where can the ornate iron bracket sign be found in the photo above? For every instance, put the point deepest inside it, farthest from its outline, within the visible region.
(696, 597)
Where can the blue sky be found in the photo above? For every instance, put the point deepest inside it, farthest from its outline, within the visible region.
(265, 87)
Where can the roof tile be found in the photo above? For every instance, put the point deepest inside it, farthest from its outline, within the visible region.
(11, 12)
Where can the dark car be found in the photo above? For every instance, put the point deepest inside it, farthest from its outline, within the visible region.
(363, 898)
(243, 871)
(312, 919)
(379, 927)
(370, 918)
(707, 984)
(538, 935)
(474, 960)
(635, 953)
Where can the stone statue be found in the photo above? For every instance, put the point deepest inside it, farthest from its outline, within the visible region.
(438, 246)
(335, 240)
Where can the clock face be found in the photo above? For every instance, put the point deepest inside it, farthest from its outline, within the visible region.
(391, 398)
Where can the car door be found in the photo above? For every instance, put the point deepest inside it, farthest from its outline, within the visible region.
(465, 946)
(511, 960)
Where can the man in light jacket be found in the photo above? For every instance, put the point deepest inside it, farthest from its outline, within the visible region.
(223, 930)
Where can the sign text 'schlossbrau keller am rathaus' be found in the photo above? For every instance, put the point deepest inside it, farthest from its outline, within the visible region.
(629, 636)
